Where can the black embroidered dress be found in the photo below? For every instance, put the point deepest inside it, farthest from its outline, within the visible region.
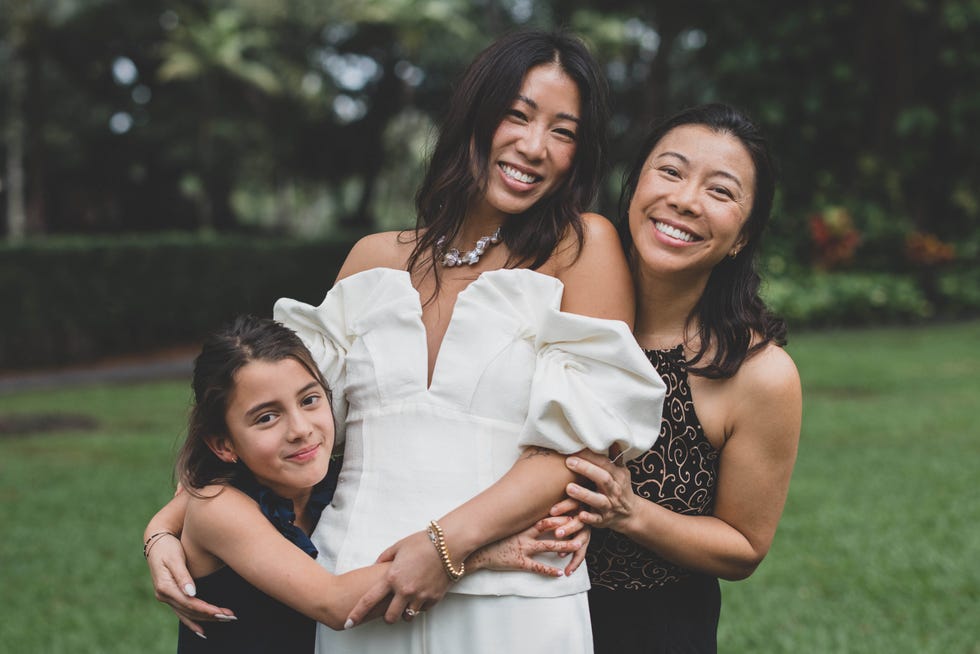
(264, 624)
(640, 602)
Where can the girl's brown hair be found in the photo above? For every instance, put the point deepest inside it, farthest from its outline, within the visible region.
(225, 352)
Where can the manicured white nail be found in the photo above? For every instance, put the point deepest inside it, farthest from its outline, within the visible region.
(224, 618)
(349, 624)
(190, 590)
(201, 634)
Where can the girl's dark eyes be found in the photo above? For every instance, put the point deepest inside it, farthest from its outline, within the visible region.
(567, 133)
(310, 400)
(265, 418)
(668, 170)
(516, 113)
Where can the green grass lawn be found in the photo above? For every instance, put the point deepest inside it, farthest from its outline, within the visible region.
(876, 551)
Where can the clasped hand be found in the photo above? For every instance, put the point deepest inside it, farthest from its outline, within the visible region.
(611, 503)
(417, 579)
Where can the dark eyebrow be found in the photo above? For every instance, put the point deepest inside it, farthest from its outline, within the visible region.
(534, 105)
(265, 405)
(308, 387)
(684, 160)
(260, 407)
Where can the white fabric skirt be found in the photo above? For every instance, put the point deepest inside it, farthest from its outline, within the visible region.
(474, 624)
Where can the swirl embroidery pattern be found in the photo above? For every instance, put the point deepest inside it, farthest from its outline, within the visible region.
(679, 473)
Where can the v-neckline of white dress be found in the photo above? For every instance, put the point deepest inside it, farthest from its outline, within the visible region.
(430, 382)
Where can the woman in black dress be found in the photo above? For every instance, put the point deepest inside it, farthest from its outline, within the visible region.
(704, 502)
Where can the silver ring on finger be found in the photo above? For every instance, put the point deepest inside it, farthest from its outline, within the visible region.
(410, 612)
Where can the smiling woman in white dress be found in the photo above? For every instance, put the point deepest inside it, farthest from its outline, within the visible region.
(467, 354)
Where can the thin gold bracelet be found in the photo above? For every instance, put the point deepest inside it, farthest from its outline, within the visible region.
(152, 540)
(438, 538)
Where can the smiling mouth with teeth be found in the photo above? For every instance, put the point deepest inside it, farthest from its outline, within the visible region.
(673, 232)
(515, 174)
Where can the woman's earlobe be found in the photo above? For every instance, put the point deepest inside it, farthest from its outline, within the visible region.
(739, 244)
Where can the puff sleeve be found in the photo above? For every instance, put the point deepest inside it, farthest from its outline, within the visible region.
(323, 329)
(592, 387)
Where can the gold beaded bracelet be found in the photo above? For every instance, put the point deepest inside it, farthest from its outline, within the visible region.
(152, 540)
(438, 539)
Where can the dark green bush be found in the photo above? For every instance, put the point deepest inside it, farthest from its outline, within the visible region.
(74, 299)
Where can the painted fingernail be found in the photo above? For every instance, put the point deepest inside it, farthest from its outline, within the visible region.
(190, 590)
(201, 635)
(349, 624)
(224, 617)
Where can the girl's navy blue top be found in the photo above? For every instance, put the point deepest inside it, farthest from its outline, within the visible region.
(264, 624)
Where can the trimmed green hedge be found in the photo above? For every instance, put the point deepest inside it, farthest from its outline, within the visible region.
(74, 299)
(68, 300)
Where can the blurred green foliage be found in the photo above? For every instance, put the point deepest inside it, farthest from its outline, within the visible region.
(73, 298)
(304, 118)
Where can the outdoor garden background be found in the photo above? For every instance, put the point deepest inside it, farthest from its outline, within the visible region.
(166, 165)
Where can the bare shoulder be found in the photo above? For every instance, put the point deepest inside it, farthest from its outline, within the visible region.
(771, 371)
(208, 503)
(599, 241)
(381, 250)
(766, 398)
(596, 278)
(220, 514)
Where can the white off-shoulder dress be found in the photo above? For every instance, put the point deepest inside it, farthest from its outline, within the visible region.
(513, 371)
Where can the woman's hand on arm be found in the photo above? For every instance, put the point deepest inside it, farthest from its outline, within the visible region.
(755, 467)
(172, 582)
(416, 580)
(612, 503)
(516, 552)
(511, 553)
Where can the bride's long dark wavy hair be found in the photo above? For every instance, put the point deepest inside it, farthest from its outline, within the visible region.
(478, 104)
(730, 312)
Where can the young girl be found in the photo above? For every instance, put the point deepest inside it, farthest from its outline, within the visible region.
(257, 473)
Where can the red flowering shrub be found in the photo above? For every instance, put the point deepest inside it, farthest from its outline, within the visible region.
(835, 238)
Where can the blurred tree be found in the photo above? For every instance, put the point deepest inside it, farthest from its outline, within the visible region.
(141, 116)
(25, 26)
(227, 63)
(370, 63)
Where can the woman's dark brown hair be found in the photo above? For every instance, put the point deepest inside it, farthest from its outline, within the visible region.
(477, 106)
(225, 353)
(730, 312)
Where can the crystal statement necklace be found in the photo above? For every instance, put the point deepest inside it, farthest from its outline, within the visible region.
(453, 257)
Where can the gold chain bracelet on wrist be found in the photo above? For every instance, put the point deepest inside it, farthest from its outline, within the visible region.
(438, 539)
